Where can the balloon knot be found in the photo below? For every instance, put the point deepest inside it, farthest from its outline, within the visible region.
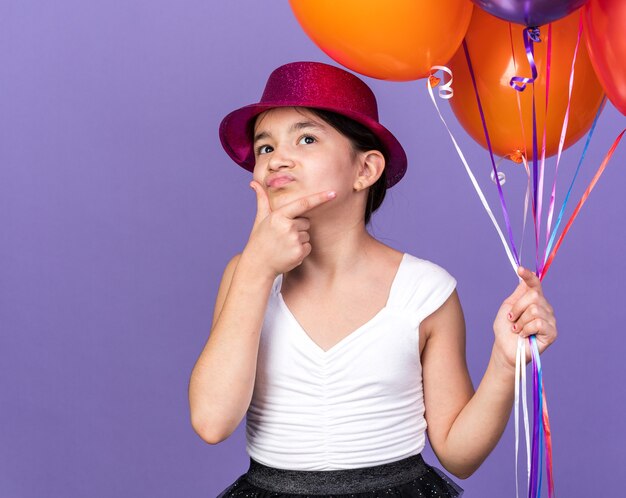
(534, 34)
(516, 156)
(434, 81)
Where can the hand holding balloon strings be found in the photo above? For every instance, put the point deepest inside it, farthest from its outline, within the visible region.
(524, 313)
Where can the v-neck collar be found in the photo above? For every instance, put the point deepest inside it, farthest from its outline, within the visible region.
(352, 335)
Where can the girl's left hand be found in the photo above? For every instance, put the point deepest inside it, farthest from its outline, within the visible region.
(525, 312)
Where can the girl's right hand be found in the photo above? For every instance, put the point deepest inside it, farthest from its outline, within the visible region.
(279, 239)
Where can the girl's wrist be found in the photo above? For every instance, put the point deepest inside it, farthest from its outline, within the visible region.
(255, 269)
(502, 367)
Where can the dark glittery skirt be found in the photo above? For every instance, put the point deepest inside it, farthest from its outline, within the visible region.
(407, 478)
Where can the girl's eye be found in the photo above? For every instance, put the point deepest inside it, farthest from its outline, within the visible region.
(308, 139)
(263, 149)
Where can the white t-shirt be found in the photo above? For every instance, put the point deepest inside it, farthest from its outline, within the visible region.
(358, 404)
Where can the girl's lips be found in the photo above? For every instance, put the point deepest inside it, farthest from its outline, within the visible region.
(279, 182)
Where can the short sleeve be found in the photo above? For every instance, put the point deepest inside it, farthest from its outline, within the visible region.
(426, 287)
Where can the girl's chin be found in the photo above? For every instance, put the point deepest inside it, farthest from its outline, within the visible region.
(281, 196)
(280, 199)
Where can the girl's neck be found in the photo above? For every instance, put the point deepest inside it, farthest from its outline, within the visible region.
(335, 251)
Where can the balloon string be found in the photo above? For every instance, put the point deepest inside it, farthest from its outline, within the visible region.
(539, 415)
(518, 370)
(539, 418)
(537, 202)
(532, 489)
(493, 163)
(540, 421)
(526, 198)
(542, 427)
(569, 191)
(606, 160)
(563, 131)
(519, 83)
(543, 142)
(548, 433)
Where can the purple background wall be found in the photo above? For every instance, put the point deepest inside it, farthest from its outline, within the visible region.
(119, 210)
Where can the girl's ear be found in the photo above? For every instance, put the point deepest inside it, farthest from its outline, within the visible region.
(371, 166)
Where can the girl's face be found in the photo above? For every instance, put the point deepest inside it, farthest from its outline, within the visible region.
(298, 153)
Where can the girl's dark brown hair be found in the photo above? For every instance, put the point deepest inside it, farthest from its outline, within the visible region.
(363, 140)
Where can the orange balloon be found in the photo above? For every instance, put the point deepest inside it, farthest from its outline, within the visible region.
(393, 40)
(495, 62)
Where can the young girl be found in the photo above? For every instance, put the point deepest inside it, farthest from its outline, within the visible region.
(342, 352)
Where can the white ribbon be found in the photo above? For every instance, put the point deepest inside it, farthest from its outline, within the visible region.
(520, 370)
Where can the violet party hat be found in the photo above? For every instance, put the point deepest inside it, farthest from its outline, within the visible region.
(319, 86)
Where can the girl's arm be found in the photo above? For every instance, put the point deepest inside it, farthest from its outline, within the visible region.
(222, 380)
(465, 425)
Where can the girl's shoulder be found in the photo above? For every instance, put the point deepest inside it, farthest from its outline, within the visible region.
(425, 269)
(422, 286)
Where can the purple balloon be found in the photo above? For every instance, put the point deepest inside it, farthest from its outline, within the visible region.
(530, 12)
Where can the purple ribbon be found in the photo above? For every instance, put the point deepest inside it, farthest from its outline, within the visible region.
(505, 211)
(531, 35)
(535, 183)
(535, 464)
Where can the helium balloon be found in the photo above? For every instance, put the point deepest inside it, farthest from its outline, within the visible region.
(605, 22)
(497, 53)
(530, 12)
(395, 40)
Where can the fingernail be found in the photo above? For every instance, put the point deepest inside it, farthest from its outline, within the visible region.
(514, 327)
(332, 194)
(510, 315)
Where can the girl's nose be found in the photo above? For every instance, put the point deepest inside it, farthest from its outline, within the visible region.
(280, 158)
